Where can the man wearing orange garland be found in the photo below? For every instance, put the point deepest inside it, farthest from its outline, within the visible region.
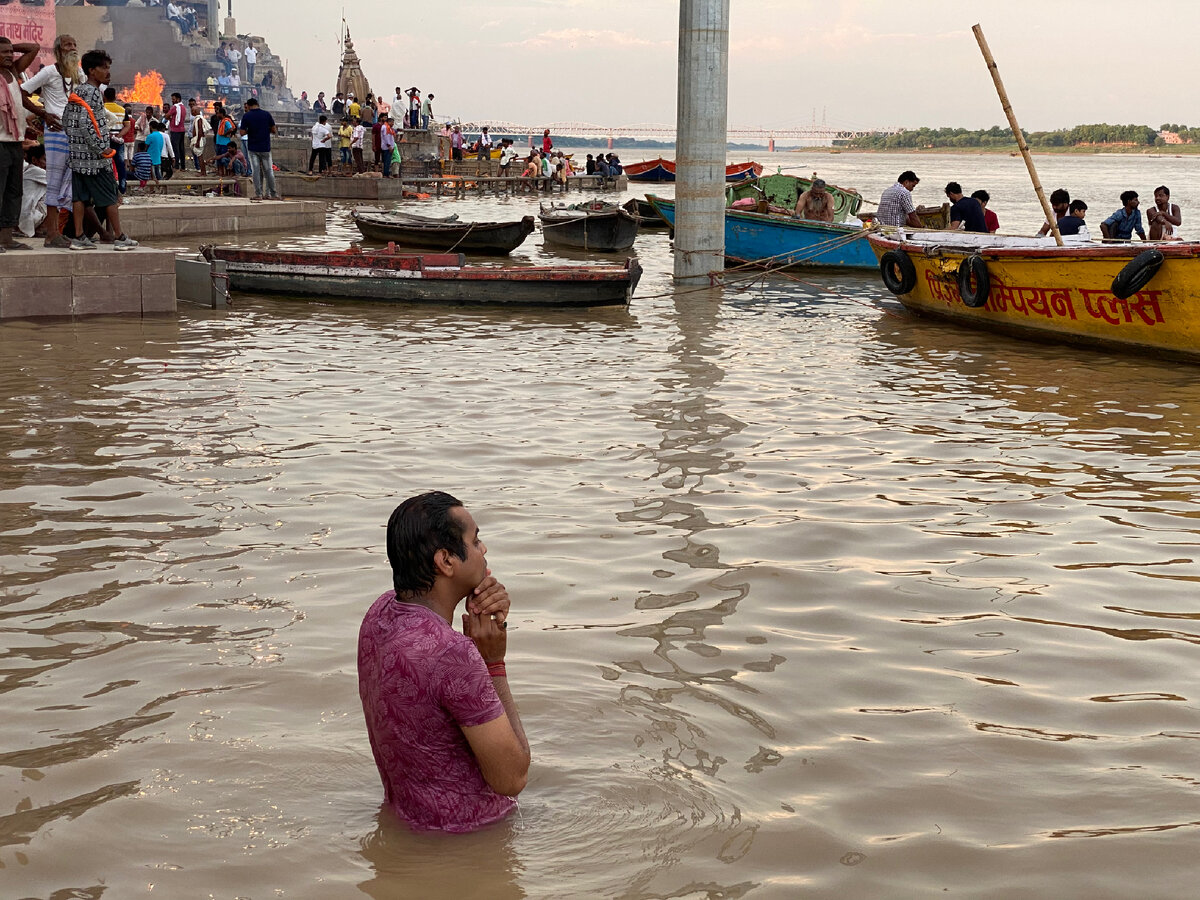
(92, 179)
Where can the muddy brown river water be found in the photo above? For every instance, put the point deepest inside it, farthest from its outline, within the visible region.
(810, 597)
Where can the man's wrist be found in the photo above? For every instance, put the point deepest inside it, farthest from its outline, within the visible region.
(497, 670)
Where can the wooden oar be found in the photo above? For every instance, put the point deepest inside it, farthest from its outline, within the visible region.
(1016, 130)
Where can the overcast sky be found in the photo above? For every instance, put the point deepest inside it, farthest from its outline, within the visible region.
(857, 63)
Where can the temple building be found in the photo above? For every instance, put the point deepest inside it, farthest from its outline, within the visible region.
(351, 79)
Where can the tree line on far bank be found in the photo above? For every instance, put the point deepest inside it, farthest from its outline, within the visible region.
(996, 136)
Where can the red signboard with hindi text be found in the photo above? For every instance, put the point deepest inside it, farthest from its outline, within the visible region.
(30, 20)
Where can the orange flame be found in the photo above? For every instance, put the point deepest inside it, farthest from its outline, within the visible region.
(147, 89)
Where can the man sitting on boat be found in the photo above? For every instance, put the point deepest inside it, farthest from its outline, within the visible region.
(815, 204)
(1072, 223)
(1060, 202)
(993, 221)
(965, 212)
(1121, 225)
(896, 204)
(1164, 216)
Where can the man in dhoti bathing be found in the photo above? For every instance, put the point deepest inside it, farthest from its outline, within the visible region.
(815, 204)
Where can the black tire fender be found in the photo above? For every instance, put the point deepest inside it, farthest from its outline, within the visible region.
(973, 271)
(1137, 273)
(899, 273)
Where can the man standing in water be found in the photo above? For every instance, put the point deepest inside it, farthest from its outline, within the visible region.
(443, 725)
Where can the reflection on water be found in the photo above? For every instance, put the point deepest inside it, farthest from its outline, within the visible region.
(811, 597)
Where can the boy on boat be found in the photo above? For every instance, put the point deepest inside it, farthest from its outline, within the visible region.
(1121, 225)
(1072, 223)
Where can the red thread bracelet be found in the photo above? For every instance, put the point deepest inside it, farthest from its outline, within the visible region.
(496, 670)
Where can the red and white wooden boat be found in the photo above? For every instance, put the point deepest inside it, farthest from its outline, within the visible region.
(660, 170)
(422, 278)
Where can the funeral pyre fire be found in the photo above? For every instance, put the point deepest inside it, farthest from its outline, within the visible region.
(147, 89)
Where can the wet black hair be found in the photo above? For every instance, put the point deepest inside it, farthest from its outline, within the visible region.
(953, 188)
(907, 175)
(1162, 187)
(1126, 196)
(1077, 205)
(417, 529)
(981, 195)
(1060, 197)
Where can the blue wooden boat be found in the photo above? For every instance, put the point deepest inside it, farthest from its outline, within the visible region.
(778, 241)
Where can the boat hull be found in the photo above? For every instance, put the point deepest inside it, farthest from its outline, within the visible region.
(606, 231)
(1064, 294)
(488, 238)
(431, 278)
(663, 170)
(779, 242)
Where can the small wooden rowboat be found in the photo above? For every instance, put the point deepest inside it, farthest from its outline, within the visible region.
(603, 227)
(427, 278)
(646, 214)
(428, 234)
(1131, 297)
(660, 170)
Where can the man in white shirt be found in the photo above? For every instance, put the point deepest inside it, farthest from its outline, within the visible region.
(53, 85)
(235, 56)
(356, 146)
(322, 146)
(251, 60)
(484, 153)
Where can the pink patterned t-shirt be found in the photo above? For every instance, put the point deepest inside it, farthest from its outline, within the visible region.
(421, 682)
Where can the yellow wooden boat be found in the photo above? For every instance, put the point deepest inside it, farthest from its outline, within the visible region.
(1133, 297)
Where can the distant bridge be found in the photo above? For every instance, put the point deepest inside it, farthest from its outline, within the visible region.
(820, 133)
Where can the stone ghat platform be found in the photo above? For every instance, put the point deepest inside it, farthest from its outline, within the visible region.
(377, 189)
(47, 282)
(171, 217)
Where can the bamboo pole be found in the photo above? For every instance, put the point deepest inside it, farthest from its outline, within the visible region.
(1016, 130)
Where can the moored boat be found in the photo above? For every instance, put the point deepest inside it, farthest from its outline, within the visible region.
(780, 241)
(1141, 298)
(663, 170)
(422, 278)
(780, 193)
(604, 227)
(431, 234)
(647, 215)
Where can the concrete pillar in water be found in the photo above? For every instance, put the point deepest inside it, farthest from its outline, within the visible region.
(700, 138)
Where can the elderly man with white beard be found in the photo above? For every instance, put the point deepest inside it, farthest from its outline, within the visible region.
(53, 85)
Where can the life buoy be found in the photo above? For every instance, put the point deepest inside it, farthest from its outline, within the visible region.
(899, 273)
(1137, 273)
(974, 284)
